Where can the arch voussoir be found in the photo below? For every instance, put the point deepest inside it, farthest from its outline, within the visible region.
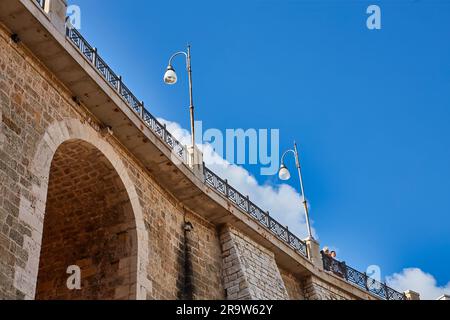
(32, 212)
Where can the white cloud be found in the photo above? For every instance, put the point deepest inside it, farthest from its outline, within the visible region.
(283, 202)
(419, 281)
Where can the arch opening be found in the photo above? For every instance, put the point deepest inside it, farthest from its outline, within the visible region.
(89, 223)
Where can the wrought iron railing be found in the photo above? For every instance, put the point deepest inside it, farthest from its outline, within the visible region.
(91, 55)
(360, 279)
(41, 3)
(263, 218)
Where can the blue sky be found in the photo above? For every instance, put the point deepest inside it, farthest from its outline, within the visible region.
(370, 109)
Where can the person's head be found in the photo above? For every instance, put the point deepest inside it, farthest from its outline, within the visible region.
(333, 254)
(326, 250)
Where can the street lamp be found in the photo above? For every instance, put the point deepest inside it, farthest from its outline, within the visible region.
(171, 78)
(285, 175)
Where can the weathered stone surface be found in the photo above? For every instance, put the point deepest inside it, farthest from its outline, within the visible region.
(316, 289)
(250, 270)
(294, 286)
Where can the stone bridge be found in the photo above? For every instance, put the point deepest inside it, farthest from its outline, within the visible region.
(90, 178)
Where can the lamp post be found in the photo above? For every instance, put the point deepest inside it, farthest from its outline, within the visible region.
(285, 175)
(171, 78)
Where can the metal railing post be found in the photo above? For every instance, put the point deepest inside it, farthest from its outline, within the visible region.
(142, 110)
(94, 57)
(344, 267)
(386, 291)
(365, 281)
(119, 86)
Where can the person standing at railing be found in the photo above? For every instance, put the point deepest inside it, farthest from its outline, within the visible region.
(329, 253)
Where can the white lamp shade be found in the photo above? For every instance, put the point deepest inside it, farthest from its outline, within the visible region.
(284, 173)
(170, 77)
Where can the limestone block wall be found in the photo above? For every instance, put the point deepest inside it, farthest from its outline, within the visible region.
(139, 230)
(250, 270)
(294, 286)
(316, 289)
(204, 261)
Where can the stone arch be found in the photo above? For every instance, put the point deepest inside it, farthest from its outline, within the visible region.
(33, 207)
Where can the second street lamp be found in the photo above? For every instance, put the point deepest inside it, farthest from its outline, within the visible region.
(285, 175)
(170, 78)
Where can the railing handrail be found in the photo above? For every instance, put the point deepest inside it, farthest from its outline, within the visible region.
(361, 280)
